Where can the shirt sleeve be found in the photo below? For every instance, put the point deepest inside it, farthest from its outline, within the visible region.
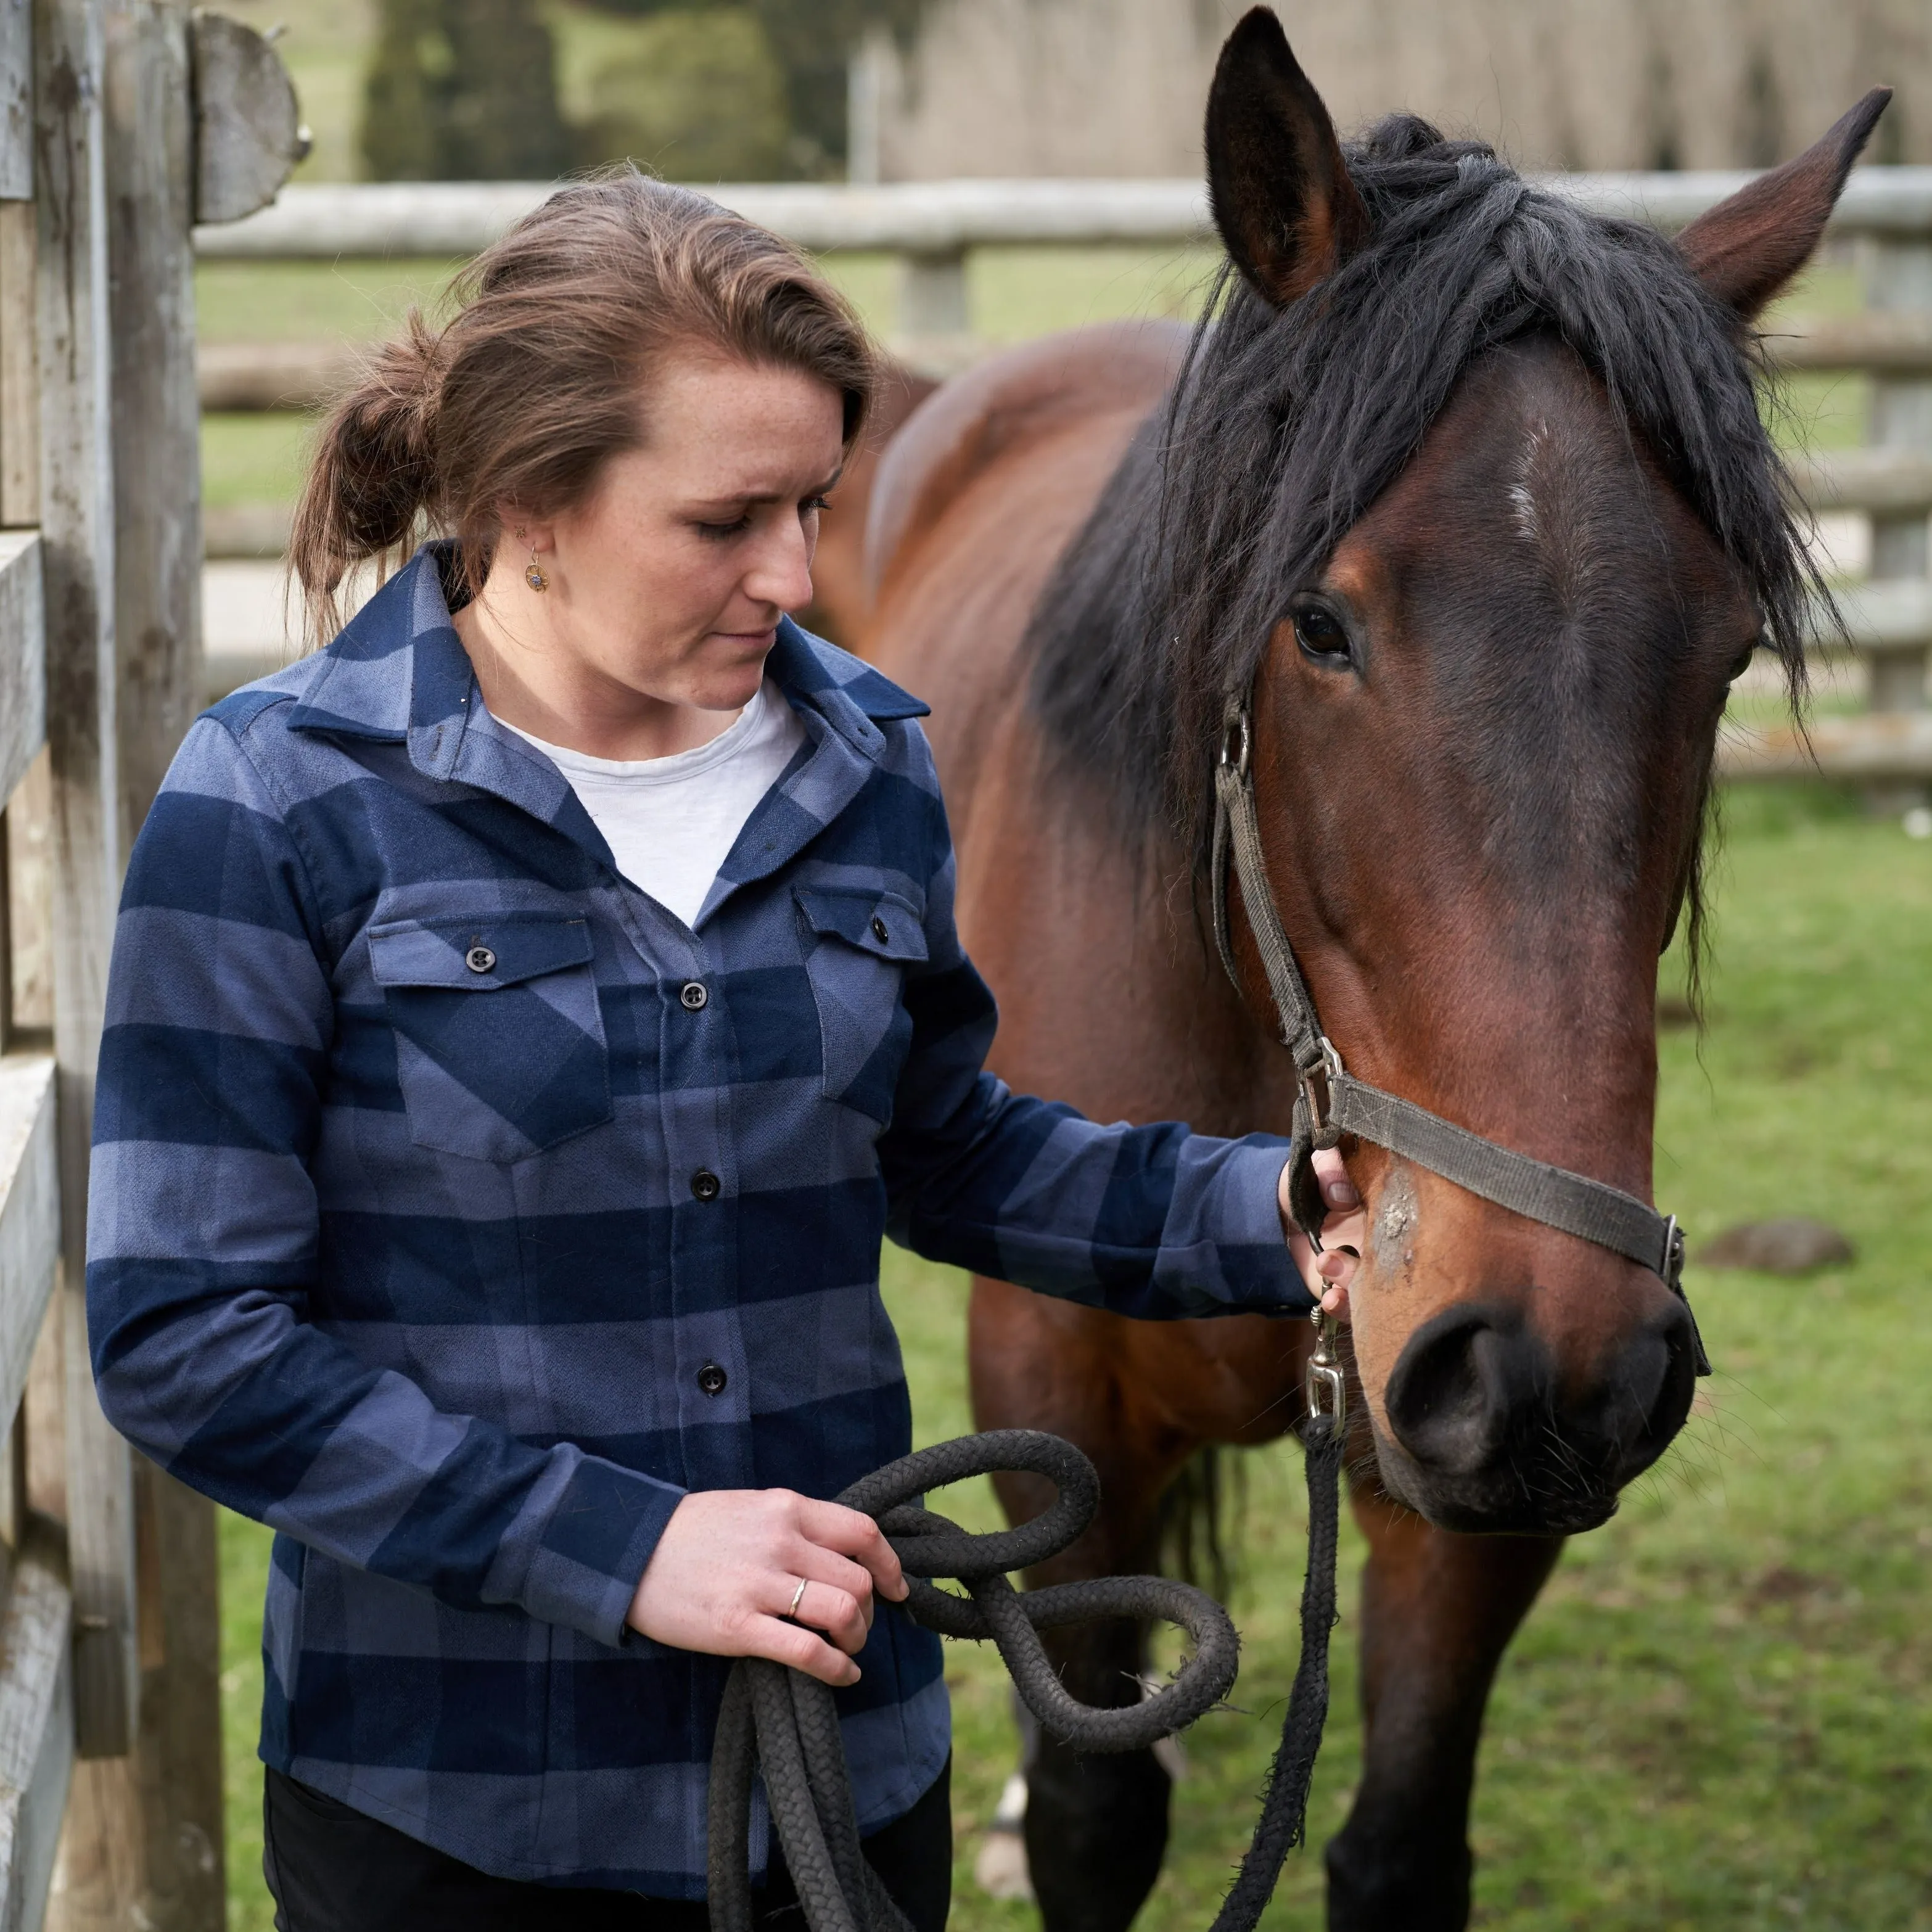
(202, 1239)
(1156, 1221)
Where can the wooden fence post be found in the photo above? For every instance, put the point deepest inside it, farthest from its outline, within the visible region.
(151, 167)
(73, 358)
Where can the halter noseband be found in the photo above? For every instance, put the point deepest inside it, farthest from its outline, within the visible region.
(1333, 1103)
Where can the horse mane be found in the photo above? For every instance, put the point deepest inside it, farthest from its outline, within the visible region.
(1284, 426)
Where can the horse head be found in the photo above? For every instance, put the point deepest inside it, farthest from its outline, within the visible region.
(1468, 488)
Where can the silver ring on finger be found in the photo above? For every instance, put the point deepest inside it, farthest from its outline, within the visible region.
(797, 1597)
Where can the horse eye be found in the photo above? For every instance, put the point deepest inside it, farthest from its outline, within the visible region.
(1319, 635)
(1742, 662)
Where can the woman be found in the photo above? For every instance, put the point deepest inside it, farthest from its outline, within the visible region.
(526, 1015)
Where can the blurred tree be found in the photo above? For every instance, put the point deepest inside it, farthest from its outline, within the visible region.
(698, 95)
(812, 41)
(462, 90)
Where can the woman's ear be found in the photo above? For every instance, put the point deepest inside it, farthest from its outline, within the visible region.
(1284, 204)
(1749, 246)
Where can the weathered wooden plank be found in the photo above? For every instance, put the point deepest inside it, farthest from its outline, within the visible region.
(142, 1842)
(16, 100)
(29, 1216)
(1895, 341)
(274, 375)
(1888, 616)
(156, 416)
(1882, 747)
(249, 133)
(36, 1730)
(941, 218)
(74, 345)
(255, 532)
(23, 675)
(19, 396)
(1891, 480)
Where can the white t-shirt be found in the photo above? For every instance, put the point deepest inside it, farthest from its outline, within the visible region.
(670, 823)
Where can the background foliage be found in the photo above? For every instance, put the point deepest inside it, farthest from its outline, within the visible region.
(700, 90)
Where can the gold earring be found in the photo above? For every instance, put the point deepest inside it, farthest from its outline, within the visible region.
(533, 574)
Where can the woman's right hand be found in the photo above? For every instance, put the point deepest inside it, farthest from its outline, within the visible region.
(729, 1563)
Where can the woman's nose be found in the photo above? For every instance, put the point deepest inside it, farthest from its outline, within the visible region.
(780, 571)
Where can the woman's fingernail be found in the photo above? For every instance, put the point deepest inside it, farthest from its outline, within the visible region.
(1341, 1194)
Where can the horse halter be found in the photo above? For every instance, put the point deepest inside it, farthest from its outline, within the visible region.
(1333, 1103)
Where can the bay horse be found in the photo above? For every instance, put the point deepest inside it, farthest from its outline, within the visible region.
(1468, 488)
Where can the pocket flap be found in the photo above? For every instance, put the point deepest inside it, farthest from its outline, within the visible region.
(879, 923)
(476, 954)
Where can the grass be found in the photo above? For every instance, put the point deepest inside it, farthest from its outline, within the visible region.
(1720, 1715)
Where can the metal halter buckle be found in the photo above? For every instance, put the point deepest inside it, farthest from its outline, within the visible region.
(1326, 1382)
(1331, 1069)
(1672, 1269)
(1236, 732)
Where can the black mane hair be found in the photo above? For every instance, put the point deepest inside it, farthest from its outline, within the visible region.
(1284, 424)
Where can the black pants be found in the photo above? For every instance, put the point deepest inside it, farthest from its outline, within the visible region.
(331, 1869)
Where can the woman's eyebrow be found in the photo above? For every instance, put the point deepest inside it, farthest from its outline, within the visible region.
(748, 497)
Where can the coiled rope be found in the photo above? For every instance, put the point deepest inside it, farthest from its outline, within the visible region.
(784, 1723)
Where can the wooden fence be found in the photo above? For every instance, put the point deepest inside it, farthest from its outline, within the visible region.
(933, 227)
(121, 122)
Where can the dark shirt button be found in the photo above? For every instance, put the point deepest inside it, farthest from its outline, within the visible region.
(705, 1184)
(479, 959)
(711, 1379)
(879, 930)
(692, 995)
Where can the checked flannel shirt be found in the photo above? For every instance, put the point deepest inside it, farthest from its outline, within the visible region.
(456, 1209)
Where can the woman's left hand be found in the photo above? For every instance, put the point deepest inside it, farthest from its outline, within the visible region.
(1344, 1231)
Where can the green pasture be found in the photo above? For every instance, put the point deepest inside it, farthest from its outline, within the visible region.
(1720, 1716)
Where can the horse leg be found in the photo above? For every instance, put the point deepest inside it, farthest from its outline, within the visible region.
(1096, 1826)
(1438, 1610)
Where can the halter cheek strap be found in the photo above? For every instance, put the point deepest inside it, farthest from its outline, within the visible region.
(1333, 1103)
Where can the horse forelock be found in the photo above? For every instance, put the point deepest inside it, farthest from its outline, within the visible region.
(1285, 425)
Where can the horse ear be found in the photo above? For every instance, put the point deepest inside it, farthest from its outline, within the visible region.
(1282, 200)
(1747, 248)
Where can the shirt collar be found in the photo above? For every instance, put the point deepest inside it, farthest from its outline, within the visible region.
(398, 673)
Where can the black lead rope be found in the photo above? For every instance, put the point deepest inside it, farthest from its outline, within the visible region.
(1333, 1103)
(783, 1724)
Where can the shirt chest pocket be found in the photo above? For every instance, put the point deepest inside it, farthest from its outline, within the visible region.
(499, 1040)
(858, 942)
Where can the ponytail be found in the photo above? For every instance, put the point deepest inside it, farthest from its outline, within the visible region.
(372, 480)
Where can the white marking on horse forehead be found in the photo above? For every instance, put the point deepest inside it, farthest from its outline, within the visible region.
(1531, 472)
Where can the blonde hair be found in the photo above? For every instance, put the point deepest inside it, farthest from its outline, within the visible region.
(539, 378)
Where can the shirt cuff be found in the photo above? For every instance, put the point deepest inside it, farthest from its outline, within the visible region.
(595, 1547)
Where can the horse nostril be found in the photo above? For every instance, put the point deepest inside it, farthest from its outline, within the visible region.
(1460, 1383)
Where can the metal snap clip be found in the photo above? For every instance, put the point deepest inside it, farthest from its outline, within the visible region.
(1326, 1383)
(480, 959)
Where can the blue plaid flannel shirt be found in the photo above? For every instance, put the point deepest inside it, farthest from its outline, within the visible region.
(455, 1210)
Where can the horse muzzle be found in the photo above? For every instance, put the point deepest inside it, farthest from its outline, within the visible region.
(1483, 1431)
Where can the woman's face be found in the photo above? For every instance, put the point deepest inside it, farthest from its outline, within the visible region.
(667, 583)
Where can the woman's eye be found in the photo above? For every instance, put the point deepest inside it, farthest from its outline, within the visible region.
(1318, 634)
(815, 503)
(735, 528)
